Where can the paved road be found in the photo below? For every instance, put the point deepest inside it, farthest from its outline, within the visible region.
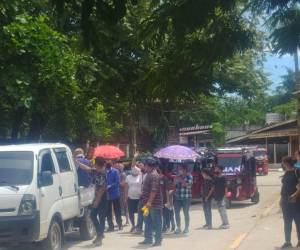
(252, 227)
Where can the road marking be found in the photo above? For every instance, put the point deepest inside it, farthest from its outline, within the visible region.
(238, 241)
(268, 210)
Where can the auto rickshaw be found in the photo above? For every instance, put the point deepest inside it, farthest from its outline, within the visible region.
(239, 168)
(262, 161)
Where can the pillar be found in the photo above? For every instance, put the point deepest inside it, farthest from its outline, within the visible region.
(290, 146)
(275, 154)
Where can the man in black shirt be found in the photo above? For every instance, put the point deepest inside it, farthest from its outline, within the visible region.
(220, 190)
(100, 203)
(290, 207)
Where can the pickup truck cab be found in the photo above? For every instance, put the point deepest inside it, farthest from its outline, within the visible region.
(39, 196)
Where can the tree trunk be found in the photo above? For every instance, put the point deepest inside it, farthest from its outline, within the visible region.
(36, 127)
(297, 89)
(133, 130)
(16, 124)
(296, 59)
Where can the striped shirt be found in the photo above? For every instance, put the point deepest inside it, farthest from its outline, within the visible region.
(152, 184)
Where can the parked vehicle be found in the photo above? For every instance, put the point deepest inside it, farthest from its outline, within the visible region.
(240, 172)
(39, 196)
(262, 161)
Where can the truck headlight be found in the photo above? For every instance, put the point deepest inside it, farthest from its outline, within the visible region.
(28, 205)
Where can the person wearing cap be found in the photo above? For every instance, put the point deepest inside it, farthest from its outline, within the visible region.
(83, 168)
(220, 191)
(100, 203)
(113, 196)
(207, 193)
(153, 203)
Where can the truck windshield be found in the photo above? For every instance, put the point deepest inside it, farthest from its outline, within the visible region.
(16, 168)
(230, 164)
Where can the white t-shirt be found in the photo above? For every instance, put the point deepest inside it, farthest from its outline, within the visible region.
(134, 186)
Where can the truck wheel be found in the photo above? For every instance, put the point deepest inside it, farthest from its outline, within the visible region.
(87, 229)
(54, 238)
(255, 198)
(228, 203)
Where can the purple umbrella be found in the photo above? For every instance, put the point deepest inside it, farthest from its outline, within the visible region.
(178, 153)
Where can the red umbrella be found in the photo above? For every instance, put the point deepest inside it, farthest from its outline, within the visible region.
(108, 152)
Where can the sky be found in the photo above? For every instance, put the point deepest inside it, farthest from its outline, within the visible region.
(276, 67)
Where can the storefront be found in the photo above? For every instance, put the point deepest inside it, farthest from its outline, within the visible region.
(279, 139)
(197, 136)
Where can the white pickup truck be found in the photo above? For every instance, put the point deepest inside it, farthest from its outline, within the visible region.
(39, 196)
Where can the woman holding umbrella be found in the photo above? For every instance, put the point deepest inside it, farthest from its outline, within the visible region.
(183, 181)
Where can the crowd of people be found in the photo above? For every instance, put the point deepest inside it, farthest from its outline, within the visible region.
(149, 195)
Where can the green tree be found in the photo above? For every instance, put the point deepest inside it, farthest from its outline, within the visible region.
(218, 131)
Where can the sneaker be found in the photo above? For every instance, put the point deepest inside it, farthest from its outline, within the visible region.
(132, 230)
(178, 231)
(205, 226)
(145, 243)
(157, 244)
(286, 245)
(98, 241)
(186, 231)
(138, 232)
(224, 227)
(110, 229)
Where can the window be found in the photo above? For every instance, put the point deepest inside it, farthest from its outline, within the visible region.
(47, 163)
(62, 159)
(16, 168)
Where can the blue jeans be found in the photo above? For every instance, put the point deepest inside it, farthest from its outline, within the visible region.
(207, 212)
(153, 222)
(185, 205)
(168, 219)
(223, 213)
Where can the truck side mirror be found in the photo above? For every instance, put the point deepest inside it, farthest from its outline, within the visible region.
(45, 179)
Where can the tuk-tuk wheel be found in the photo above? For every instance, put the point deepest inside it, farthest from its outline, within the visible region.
(255, 198)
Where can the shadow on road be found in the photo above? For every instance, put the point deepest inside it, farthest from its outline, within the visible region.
(234, 205)
(70, 241)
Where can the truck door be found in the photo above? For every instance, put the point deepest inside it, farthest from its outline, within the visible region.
(69, 182)
(49, 197)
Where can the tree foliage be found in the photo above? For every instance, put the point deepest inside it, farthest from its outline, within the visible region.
(87, 68)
